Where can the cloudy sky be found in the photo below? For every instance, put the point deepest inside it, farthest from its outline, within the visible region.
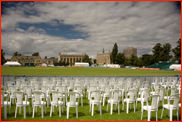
(87, 27)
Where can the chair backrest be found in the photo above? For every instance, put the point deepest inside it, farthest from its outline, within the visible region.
(132, 95)
(73, 98)
(97, 95)
(145, 94)
(45, 89)
(55, 96)
(19, 96)
(61, 89)
(115, 95)
(161, 93)
(12, 89)
(2, 97)
(107, 89)
(176, 98)
(79, 89)
(155, 101)
(38, 97)
(28, 90)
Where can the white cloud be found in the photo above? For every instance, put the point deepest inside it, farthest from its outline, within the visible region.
(140, 25)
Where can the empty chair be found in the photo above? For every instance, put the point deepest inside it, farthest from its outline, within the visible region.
(11, 90)
(143, 97)
(5, 103)
(28, 91)
(152, 107)
(156, 86)
(45, 89)
(96, 101)
(132, 96)
(20, 103)
(37, 102)
(79, 89)
(56, 101)
(106, 93)
(161, 93)
(63, 90)
(171, 107)
(114, 99)
(72, 103)
(172, 90)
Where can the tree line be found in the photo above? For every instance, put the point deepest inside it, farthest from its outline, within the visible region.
(160, 53)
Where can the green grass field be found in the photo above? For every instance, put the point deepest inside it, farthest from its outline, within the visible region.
(85, 115)
(83, 71)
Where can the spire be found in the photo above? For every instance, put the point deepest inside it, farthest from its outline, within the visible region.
(103, 51)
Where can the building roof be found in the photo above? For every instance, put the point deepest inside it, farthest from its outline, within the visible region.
(27, 57)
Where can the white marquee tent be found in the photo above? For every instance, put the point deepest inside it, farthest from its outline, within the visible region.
(81, 64)
(9, 63)
(175, 66)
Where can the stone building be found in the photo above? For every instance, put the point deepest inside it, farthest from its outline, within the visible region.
(49, 61)
(104, 58)
(70, 58)
(27, 60)
(129, 51)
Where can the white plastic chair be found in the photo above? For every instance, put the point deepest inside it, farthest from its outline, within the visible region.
(132, 96)
(72, 103)
(173, 91)
(143, 97)
(5, 103)
(63, 90)
(79, 89)
(20, 103)
(28, 91)
(11, 90)
(152, 107)
(45, 89)
(114, 99)
(106, 93)
(171, 107)
(37, 102)
(56, 101)
(96, 101)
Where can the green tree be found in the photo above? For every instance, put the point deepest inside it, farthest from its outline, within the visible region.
(165, 54)
(16, 54)
(133, 60)
(114, 53)
(126, 63)
(120, 58)
(140, 62)
(3, 60)
(95, 61)
(86, 59)
(177, 52)
(35, 54)
(157, 50)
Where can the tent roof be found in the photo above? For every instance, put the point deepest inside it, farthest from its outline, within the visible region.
(12, 63)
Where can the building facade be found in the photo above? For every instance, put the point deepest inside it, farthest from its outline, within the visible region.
(104, 58)
(129, 51)
(49, 61)
(70, 58)
(27, 60)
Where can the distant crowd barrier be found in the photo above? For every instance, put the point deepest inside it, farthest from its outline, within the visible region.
(149, 68)
(97, 66)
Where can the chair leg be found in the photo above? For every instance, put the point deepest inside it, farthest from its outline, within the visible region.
(42, 110)
(177, 115)
(67, 112)
(118, 108)
(5, 112)
(171, 114)
(19, 109)
(51, 111)
(142, 114)
(15, 111)
(162, 113)
(111, 108)
(127, 108)
(33, 111)
(24, 112)
(82, 101)
(149, 115)
(62, 109)
(123, 105)
(59, 111)
(76, 112)
(92, 109)
(104, 100)
(156, 116)
(100, 109)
